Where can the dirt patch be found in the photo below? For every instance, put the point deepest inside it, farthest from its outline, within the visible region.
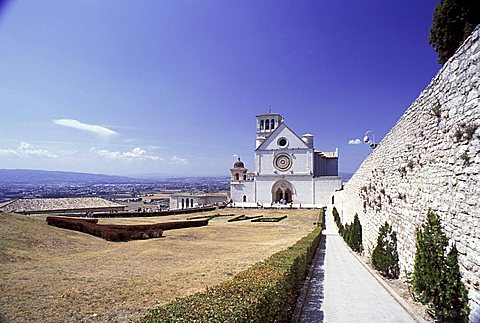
(50, 274)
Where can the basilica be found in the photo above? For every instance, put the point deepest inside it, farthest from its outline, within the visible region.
(288, 169)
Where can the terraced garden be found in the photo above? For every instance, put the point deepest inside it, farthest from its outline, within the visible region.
(53, 274)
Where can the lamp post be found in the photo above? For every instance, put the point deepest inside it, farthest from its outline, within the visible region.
(373, 144)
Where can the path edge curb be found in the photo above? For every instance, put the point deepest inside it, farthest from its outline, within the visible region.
(304, 290)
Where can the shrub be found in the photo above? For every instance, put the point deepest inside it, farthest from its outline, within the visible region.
(352, 234)
(470, 130)
(277, 219)
(265, 292)
(336, 218)
(164, 225)
(453, 300)
(243, 217)
(156, 213)
(436, 278)
(52, 219)
(385, 254)
(106, 232)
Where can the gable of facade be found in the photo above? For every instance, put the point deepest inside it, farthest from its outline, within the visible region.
(282, 138)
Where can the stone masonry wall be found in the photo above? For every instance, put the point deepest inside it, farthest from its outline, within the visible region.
(429, 159)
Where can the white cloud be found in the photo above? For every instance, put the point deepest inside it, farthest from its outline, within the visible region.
(135, 153)
(354, 141)
(8, 152)
(178, 160)
(24, 149)
(75, 124)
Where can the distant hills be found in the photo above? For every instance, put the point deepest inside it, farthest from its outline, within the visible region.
(30, 176)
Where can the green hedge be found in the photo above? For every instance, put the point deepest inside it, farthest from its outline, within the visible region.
(265, 292)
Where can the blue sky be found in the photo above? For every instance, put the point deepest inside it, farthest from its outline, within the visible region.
(173, 87)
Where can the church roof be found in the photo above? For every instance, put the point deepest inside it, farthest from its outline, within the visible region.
(268, 114)
(327, 154)
(239, 164)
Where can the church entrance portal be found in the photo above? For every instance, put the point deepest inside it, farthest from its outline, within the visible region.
(282, 192)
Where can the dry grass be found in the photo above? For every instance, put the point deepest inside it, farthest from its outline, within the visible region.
(49, 274)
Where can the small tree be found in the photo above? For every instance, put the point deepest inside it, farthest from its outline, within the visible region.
(385, 254)
(431, 244)
(356, 236)
(352, 234)
(452, 302)
(453, 21)
(337, 220)
(436, 276)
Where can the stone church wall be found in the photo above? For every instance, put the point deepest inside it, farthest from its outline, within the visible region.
(325, 187)
(429, 159)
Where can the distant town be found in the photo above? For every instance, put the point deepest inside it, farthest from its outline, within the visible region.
(144, 193)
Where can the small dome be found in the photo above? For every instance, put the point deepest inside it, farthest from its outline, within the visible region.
(238, 164)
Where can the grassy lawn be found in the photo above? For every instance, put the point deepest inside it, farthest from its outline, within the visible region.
(52, 274)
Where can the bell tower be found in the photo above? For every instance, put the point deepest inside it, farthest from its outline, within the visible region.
(238, 172)
(266, 124)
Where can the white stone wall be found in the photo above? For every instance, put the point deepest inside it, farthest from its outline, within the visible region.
(430, 159)
(239, 189)
(301, 162)
(173, 203)
(325, 188)
(176, 202)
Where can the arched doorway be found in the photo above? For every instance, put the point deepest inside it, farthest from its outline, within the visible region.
(287, 195)
(283, 192)
(278, 195)
(244, 198)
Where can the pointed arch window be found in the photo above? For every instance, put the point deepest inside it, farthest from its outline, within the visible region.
(267, 125)
(236, 177)
(272, 124)
(261, 124)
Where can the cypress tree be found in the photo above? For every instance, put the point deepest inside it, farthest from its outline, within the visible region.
(431, 245)
(452, 302)
(385, 254)
(356, 235)
(436, 278)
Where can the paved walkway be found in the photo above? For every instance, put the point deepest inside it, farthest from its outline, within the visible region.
(342, 290)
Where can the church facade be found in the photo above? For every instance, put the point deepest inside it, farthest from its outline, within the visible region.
(288, 169)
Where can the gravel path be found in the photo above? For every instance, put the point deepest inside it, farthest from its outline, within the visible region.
(342, 290)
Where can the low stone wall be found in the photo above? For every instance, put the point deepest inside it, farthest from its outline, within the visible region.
(61, 205)
(430, 159)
